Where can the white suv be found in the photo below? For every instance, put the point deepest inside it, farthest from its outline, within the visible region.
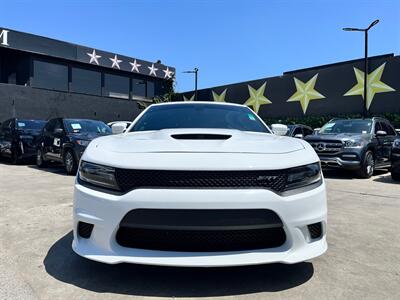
(199, 184)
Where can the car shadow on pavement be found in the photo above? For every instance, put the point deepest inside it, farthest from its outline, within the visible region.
(129, 279)
(55, 169)
(385, 178)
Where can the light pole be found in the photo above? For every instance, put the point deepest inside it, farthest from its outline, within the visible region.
(195, 71)
(365, 30)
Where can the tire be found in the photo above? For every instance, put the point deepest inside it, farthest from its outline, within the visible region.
(70, 163)
(395, 176)
(14, 157)
(367, 165)
(40, 162)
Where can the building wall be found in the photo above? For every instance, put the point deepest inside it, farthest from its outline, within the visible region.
(28, 102)
(331, 83)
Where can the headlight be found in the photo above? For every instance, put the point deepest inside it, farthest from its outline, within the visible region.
(396, 144)
(303, 176)
(83, 143)
(98, 175)
(353, 144)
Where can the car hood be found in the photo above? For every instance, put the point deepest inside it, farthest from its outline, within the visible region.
(340, 136)
(181, 140)
(86, 135)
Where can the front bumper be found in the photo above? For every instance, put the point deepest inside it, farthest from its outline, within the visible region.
(106, 211)
(351, 162)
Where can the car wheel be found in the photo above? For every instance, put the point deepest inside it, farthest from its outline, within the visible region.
(14, 157)
(40, 162)
(395, 176)
(71, 166)
(367, 165)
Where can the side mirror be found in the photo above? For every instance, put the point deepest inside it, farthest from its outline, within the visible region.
(58, 131)
(118, 128)
(299, 136)
(279, 129)
(381, 133)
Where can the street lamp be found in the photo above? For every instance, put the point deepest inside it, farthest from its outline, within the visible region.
(195, 71)
(365, 30)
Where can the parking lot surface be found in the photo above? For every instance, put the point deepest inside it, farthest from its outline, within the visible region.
(37, 262)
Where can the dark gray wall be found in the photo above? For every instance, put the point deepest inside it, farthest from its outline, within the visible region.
(26, 102)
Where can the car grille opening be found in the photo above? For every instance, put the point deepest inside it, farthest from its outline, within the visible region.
(315, 230)
(85, 229)
(130, 179)
(201, 230)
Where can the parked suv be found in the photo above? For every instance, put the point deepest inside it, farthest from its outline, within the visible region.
(64, 140)
(18, 138)
(396, 160)
(362, 145)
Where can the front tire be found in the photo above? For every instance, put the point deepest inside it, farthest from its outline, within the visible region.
(14, 157)
(40, 162)
(395, 176)
(367, 165)
(70, 163)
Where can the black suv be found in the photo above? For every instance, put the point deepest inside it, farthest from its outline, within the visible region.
(64, 140)
(396, 160)
(18, 138)
(362, 145)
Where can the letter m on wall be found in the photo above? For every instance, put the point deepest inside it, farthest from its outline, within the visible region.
(4, 37)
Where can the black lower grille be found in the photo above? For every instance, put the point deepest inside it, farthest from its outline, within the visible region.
(85, 229)
(129, 179)
(201, 230)
(315, 230)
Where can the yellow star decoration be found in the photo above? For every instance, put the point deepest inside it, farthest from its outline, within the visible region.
(305, 92)
(257, 98)
(188, 99)
(374, 84)
(219, 98)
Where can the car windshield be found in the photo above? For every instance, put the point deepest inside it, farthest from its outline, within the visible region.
(199, 116)
(347, 126)
(289, 129)
(30, 124)
(86, 126)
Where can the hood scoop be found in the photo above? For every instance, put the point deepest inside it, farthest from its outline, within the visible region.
(200, 136)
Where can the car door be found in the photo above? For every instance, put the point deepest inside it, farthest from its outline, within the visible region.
(58, 139)
(388, 141)
(47, 141)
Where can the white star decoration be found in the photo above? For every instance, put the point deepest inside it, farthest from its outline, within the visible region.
(115, 61)
(94, 57)
(135, 66)
(153, 70)
(168, 73)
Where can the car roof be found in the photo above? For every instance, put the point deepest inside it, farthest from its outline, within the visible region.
(197, 103)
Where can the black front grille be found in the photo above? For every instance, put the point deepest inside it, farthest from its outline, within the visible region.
(129, 179)
(201, 230)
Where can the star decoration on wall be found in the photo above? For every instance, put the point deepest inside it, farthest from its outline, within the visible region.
(167, 73)
(219, 98)
(374, 84)
(190, 99)
(152, 70)
(135, 66)
(94, 57)
(115, 62)
(257, 97)
(305, 92)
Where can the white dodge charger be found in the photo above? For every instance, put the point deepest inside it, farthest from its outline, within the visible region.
(199, 184)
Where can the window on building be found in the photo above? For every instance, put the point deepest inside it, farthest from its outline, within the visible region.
(85, 81)
(50, 76)
(138, 88)
(150, 89)
(116, 86)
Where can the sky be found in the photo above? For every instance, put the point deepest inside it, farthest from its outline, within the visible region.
(229, 41)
